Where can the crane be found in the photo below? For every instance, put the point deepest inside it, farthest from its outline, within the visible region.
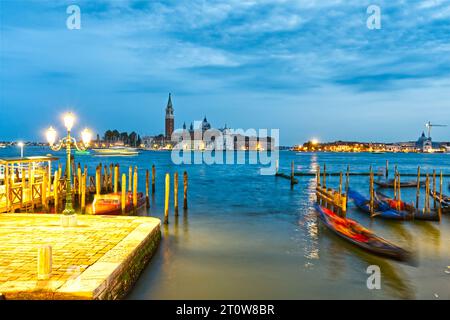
(429, 125)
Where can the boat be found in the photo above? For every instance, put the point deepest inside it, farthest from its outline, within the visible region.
(82, 152)
(359, 236)
(111, 204)
(390, 184)
(116, 151)
(402, 206)
(381, 209)
(445, 202)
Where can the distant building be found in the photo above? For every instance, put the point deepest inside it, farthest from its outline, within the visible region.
(170, 120)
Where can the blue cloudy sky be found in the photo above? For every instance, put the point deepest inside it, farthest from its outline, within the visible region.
(310, 68)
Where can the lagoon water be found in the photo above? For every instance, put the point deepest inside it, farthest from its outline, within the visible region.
(248, 236)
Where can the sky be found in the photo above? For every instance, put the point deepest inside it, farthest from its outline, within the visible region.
(312, 69)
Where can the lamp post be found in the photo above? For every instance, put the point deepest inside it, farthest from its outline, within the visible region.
(68, 142)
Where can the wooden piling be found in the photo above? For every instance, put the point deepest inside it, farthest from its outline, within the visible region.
(175, 193)
(166, 199)
(318, 175)
(111, 178)
(79, 183)
(292, 175)
(371, 191)
(98, 181)
(116, 178)
(434, 189)
(440, 195)
(83, 192)
(123, 199)
(185, 187)
(324, 176)
(347, 183)
(427, 193)
(153, 178)
(340, 183)
(418, 188)
(44, 193)
(135, 186)
(147, 182)
(387, 170)
(130, 178)
(55, 190)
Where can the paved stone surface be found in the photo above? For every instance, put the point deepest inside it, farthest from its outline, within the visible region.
(88, 260)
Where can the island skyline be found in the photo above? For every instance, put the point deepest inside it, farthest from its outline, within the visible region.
(237, 62)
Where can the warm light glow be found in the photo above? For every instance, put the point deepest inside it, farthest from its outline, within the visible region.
(51, 136)
(69, 120)
(20, 144)
(86, 136)
(315, 141)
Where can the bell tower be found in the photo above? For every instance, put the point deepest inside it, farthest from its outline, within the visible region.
(169, 119)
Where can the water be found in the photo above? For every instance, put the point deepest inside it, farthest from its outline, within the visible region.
(247, 236)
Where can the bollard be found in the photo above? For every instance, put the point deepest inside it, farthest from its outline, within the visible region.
(116, 178)
(185, 187)
(44, 262)
(175, 193)
(166, 202)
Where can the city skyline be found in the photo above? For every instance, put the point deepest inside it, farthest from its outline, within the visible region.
(311, 70)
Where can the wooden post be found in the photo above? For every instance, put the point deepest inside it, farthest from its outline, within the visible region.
(44, 192)
(166, 202)
(135, 186)
(347, 185)
(79, 183)
(325, 176)
(440, 195)
(434, 189)
(111, 177)
(371, 190)
(427, 193)
(387, 170)
(399, 185)
(83, 192)
(97, 181)
(147, 187)
(105, 179)
(116, 178)
(55, 190)
(340, 183)
(292, 175)
(277, 166)
(153, 178)
(418, 188)
(318, 175)
(130, 178)
(175, 193)
(123, 201)
(185, 185)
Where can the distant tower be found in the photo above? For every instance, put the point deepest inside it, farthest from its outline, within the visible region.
(169, 119)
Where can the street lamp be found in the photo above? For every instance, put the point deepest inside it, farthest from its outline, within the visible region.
(68, 142)
(20, 145)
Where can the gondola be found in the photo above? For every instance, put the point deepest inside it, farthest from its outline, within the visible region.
(111, 204)
(445, 202)
(402, 206)
(390, 184)
(381, 209)
(359, 236)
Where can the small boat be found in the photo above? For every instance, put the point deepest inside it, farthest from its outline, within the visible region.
(116, 151)
(390, 184)
(406, 208)
(110, 204)
(359, 236)
(381, 209)
(82, 152)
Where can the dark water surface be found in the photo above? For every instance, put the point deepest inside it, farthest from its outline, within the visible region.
(247, 236)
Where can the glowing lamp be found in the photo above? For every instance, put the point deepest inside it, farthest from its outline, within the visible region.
(86, 136)
(69, 120)
(51, 136)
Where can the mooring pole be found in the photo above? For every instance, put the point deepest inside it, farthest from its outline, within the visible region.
(147, 182)
(166, 202)
(418, 188)
(185, 187)
(153, 178)
(175, 193)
